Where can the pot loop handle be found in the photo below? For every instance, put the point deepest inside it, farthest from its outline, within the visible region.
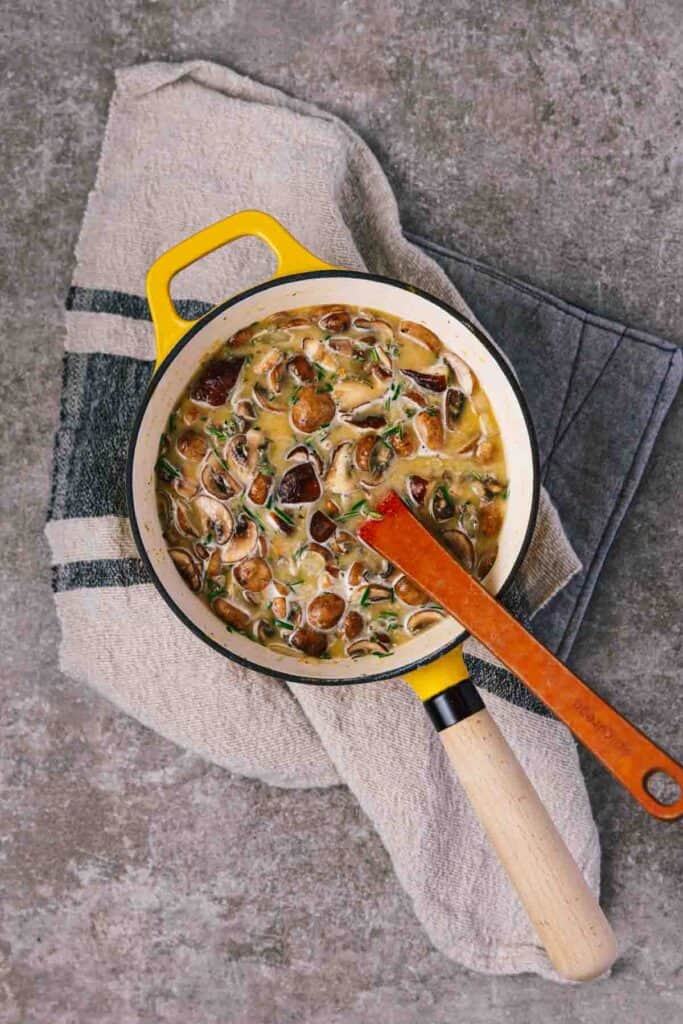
(292, 258)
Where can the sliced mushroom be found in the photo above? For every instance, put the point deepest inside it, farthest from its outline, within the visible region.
(242, 455)
(343, 542)
(429, 381)
(260, 487)
(321, 527)
(419, 621)
(300, 369)
(417, 488)
(267, 361)
(235, 617)
(461, 546)
(443, 506)
(316, 352)
(253, 574)
(217, 381)
(302, 453)
(486, 562)
(485, 450)
(192, 445)
(309, 641)
(404, 442)
(214, 518)
(383, 358)
(265, 631)
(214, 566)
(429, 427)
(336, 321)
(242, 337)
(380, 458)
(455, 402)
(242, 542)
(312, 409)
(245, 410)
(420, 334)
(339, 477)
(187, 567)
(275, 376)
(363, 451)
(464, 376)
(267, 400)
(344, 346)
(218, 481)
(277, 523)
(355, 574)
(493, 486)
(409, 592)
(353, 625)
(365, 647)
(351, 392)
(299, 485)
(416, 398)
(185, 487)
(183, 521)
(325, 610)
(372, 594)
(490, 518)
(372, 422)
(191, 415)
(279, 608)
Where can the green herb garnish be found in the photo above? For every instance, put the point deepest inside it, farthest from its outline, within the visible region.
(355, 510)
(252, 515)
(284, 516)
(167, 469)
(365, 598)
(282, 624)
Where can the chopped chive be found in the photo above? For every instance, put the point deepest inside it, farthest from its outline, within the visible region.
(294, 397)
(325, 387)
(282, 624)
(320, 371)
(281, 514)
(167, 469)
(372, 355)
(365, 598)
(384, 654)
(353, 511)
(252, 515)
(371, 514)
(293, 584)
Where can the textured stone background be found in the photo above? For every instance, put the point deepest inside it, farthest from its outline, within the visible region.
(142, 885)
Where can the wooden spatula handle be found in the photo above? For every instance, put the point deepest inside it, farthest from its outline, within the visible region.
(554, 893)
(624, 750)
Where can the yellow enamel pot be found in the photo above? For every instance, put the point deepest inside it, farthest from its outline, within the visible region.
(560, 905)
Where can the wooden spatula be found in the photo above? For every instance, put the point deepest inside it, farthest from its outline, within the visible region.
(625, 751)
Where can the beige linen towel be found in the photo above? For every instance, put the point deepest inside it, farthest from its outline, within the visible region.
(188, 144)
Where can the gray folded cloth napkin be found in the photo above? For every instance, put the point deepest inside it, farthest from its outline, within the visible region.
(185, 145)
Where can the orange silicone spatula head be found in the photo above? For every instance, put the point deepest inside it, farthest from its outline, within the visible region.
(628, 754)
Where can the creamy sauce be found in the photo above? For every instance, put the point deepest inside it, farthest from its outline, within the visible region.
(286, 439)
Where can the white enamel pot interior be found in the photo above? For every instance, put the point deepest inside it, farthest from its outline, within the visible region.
(312, 289)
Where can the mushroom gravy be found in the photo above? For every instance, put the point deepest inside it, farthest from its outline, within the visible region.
(282, 444)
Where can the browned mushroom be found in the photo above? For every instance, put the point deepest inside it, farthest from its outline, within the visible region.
(364, 648)
(353, 625)
(242, 455)
(344, 346)
(302, 453)
(464, 376)
(309, 641)
(217, 381)
(325, 610)
(404, 442)
(351, 392)
(183, 520)
(213, 518)
(371, 422)
(336, 321)
(242, 337)
(343, 542)
(275, 376)
(455, 402)
(299, 485)
(233, 616)
(363, 451)
(278, 522)
(185, 487)
(443, 506)
(490, 518)
(416, 398)
(372, 594)
(461, 546)
(321, 527)
(380, 457)
(428, 381)
(312, 409)
(420, 334)
(192, 445)
(214, 566)
(245, 410)
(423, 619)
(242, 542)
(218, 481)
(429, 427)
(187, 567)
(339, 477)
(485, 450)
(355, 574)
(267, 399)
(409, 592)
(300, 369)
(417, 488)
(260, 487)
(253, 574)
(279, 608)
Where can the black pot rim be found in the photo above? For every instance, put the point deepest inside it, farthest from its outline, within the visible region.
(180, 345)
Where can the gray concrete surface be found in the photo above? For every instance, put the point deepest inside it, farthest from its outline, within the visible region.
(142, 885)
